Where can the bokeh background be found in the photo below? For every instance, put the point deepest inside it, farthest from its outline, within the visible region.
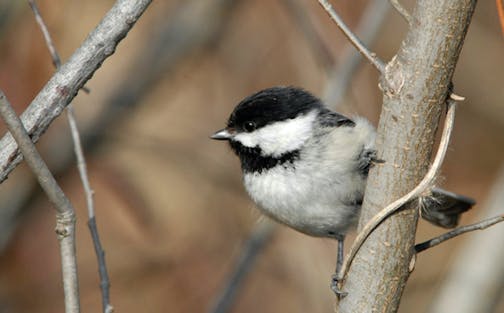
(171, 210)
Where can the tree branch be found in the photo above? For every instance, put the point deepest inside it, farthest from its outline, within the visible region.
(340, 76)
(177, 37)
(402, 11)
(415, 85)
(47, 36)
(65, 217)
(371, 56)
(66, 82)
(93, 228)
(81, 165)
(457, 232)
(426, 183)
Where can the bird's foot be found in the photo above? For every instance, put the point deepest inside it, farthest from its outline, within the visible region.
(340, 294)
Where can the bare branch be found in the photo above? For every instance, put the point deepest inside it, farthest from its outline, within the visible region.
(416, 84)
(426, 183)
(65, 217)
(340, 76)
(66, 82)
(402, 11)
(176, 37)
(47, 36)
(100, 253)
(458, 231)
(81, 165)
(371, 56)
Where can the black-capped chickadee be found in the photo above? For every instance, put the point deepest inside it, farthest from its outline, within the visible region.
(306, 166)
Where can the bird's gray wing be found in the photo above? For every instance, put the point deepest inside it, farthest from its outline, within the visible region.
(329, 118)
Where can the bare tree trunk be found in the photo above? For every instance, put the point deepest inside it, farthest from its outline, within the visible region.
(415, 86)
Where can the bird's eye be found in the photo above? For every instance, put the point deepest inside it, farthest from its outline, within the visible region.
(249, 126)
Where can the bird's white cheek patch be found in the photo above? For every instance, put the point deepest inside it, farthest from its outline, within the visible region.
(247, 139)
(280, 137)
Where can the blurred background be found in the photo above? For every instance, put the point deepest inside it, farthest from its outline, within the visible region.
(171, 210)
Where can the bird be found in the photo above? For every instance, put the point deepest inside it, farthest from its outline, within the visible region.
(306, 166)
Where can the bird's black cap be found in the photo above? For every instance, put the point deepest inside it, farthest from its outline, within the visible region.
(272, 105)
(266, 107)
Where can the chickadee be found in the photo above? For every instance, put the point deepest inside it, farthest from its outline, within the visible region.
(306, 166)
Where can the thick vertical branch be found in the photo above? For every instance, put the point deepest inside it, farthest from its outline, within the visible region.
(416, 84)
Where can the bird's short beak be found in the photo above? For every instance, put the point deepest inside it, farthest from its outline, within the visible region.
(223, 134)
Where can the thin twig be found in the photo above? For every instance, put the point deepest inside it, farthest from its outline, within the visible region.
(47, 37)
(100, 253)
(81, 165)
(340, 75)
(426, 183)
(458, 231)
(65, 217)
(406, 135)
(371, 56)
(402, 11)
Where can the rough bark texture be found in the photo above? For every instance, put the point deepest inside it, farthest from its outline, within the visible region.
(415, 87)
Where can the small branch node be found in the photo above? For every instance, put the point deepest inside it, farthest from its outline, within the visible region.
(392, 81)
(65, 223)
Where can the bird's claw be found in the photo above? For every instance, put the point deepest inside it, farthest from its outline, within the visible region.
(340, 294)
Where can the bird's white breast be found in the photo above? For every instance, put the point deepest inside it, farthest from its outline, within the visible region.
(314, 194)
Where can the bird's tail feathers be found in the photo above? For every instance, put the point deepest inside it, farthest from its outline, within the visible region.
(443, 208)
